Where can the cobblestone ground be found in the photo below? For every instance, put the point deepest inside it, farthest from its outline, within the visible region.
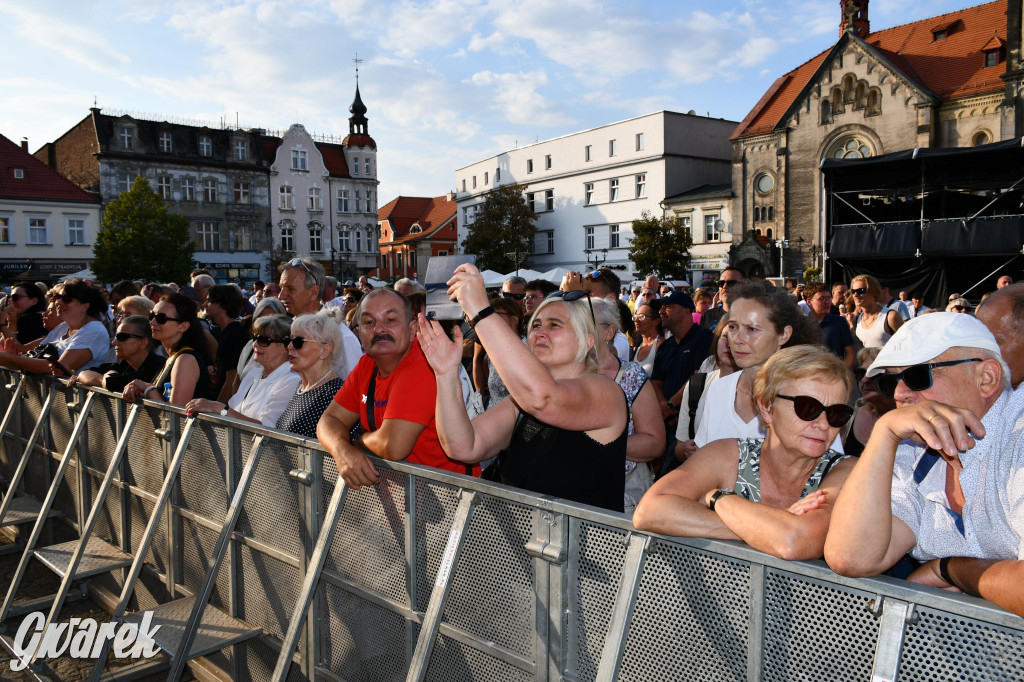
(39, 582)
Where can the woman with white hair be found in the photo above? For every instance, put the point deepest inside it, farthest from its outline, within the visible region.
(313, 349)
(562, 430)
(959, 305)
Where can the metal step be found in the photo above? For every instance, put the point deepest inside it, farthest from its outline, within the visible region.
(216, 629)
(99, 557)
(24, 510)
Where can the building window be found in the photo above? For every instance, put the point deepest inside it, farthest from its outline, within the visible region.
(587, 151)
(463, 184)
(127, 141)
(342, 196)
(764, 183)
(486, 178)
(241, 192)
(710, 233)
(684, 221)
(355, 165)
(474, 182)
(383, 261)
(205, 145)
(244, 238)
(188, 189)
(613, 236)
(163, 187)
(5, 229)
(549, 200)
(991, 57)
(529, 166)
(299, 159)
(826, 112)
(207, 236)
(38, 230)
(529, 202)
(359, 241)
(371, 207)
(398, 260)
(588, 238)
(497, 176)
(611, 147)
(771, 213)
(547, 162)
(344, 243)
(209, 190)
(874, 102)
(613, 190)
(313, 200)
(366, 165)
(241, 150)
(124, 182)
(588, 194)
(851, 148)
(357, 201)
(316, 242)
(442, 252)
(981, 137)
(76, 230)
(287, 198)
(19, 173)
(641, 185)
(287, 239)
(166, 142)
(412, 259)
(639, 142)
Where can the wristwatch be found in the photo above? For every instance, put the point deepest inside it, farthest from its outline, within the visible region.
(224, 412)
(719, 493)
(672, 405)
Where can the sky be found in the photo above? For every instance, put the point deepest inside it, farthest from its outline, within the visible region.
(446, 82)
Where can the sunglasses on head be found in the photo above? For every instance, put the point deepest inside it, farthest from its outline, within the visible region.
(514, 297)
(916, 377)
(808, 409)
(574, 295)
(297, 342)
(299, 263)
(162, 318)
(859, 291)
(124, 336)
(265, 341)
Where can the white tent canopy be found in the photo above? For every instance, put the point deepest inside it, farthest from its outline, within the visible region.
(81, 274)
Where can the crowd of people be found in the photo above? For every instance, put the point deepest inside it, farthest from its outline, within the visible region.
(842, 422)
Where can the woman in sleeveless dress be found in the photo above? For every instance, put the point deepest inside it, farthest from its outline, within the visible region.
(873, 324)
(775, 493)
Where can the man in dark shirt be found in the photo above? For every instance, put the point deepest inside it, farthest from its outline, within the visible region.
(834, 329)
(730, 278)
(223, 304)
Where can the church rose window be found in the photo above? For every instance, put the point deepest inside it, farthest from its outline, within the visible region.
(764, 183)
(852, 149)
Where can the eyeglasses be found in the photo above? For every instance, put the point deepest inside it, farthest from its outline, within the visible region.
(727, 282)
(297, 342)
(859, 291)
(575, 295)
(640, 317)
(124, 336)
(514, 297)
(809, 409)
(959, 308)
(65, 298)
(162, 318)
(265, 341)
(17, 297)
(916, 377)
(348, 299)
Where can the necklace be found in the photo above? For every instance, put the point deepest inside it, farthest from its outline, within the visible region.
(317, 382)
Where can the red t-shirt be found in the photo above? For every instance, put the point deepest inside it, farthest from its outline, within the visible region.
(409, 393)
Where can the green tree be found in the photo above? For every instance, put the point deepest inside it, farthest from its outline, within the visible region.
(141, 239)
(504, 225)
(661, 246)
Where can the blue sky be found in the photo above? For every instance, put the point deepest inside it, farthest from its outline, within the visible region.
(446, 82)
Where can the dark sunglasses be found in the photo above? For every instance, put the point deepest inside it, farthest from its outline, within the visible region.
(124, 336)
(959, 308)
(298, 342)
(265, 341)
(808, 409)
(916, 377)
(514, 297)
(859, 291)
(162, 318)
(859, 373)
(65, 299)
(575, 295)
(727, 282)
(17, 297)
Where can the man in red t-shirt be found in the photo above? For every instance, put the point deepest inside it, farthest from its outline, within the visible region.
(394, 372)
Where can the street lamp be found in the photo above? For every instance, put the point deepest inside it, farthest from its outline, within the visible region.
(517, 257)
(599, 257)
(782, 245)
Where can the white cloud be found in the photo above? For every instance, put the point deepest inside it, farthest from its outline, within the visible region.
(515, 98)
(74, 42)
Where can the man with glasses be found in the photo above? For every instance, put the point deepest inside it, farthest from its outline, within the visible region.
(834, 329)
(536, 290)
(941, 475)
(515, 288)
(729, 279)
(302, 280)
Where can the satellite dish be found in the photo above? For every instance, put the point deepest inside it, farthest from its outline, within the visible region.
(721, 228)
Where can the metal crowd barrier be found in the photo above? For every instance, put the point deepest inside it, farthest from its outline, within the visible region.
(435, 576)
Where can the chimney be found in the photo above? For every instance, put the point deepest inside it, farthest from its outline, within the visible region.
(855, 16)
(24, 144)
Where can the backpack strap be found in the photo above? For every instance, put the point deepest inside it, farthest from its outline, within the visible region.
(698, 380)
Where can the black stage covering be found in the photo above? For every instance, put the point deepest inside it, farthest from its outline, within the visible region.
(932, 220)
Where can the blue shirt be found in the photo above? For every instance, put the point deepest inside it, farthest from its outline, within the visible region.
(836, 333)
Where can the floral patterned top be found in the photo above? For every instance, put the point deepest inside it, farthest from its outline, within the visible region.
(748, 478)
(631, 377)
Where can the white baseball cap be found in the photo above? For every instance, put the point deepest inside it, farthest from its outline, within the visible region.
(926, 337)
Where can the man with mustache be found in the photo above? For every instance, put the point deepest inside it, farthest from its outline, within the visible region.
(391, 392)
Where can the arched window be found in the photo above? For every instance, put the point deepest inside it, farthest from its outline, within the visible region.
(837, 101)
(851, 148)
(757, 231)
(862, 96)
(849, 89)
(769, 233)
(979, 138)
(826, 112)
(771, 213)
(874, 102)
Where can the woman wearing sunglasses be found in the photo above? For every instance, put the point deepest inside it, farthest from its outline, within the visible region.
(247, 359)
(265, 390)
(25, 308)
(562, 430)
(775, 493)
(176, 327)
(872, 323)
(648, 326)
(135, 358)
(313, 349)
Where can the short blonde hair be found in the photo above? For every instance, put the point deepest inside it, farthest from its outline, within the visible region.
(871, 283)
(139, 305)
(796, 363)
(583, 326)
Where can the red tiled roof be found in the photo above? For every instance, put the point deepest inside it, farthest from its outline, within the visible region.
(334, 158)
(40, 181)
(949, 68)
(359, 140)
(429, 213)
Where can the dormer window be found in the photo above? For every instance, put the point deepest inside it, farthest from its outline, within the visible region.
(943, 31)
(127, 141)
(993, 51)
(939, 35)
(415, 229)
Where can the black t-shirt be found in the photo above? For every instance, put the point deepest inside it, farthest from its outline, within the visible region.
(710, 317)
(229, 347)
(30, 327)
(676, 361)
(120, 374)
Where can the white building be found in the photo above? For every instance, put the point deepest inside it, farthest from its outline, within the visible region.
(588, 187)
(706, 210)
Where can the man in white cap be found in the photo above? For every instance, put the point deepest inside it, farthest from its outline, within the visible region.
(942, 476)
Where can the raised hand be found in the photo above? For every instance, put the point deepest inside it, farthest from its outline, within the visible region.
(444, 355)
(467, 287)
(943, 428)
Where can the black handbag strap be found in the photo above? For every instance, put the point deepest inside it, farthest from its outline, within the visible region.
(371, 419)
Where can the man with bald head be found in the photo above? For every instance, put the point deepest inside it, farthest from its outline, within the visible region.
(941, 475)
(1004, 281)
(1003, 314)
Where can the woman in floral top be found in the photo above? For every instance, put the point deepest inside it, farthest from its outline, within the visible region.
(774, 493)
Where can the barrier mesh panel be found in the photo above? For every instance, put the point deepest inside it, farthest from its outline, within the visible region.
(271, 607)
(271, 510)
(599, 552)
(256, 660)
(435, 507)
(108, 520)
(360, 640)
(198, 543)
(66, 501)
(369, 542)
(692, 617)
(141, 511)
(203, 472)
(62, 420)
(100, 438)
(452, 660)
(492, 594)
(944, 646)
(144, 459)
(816, 631)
